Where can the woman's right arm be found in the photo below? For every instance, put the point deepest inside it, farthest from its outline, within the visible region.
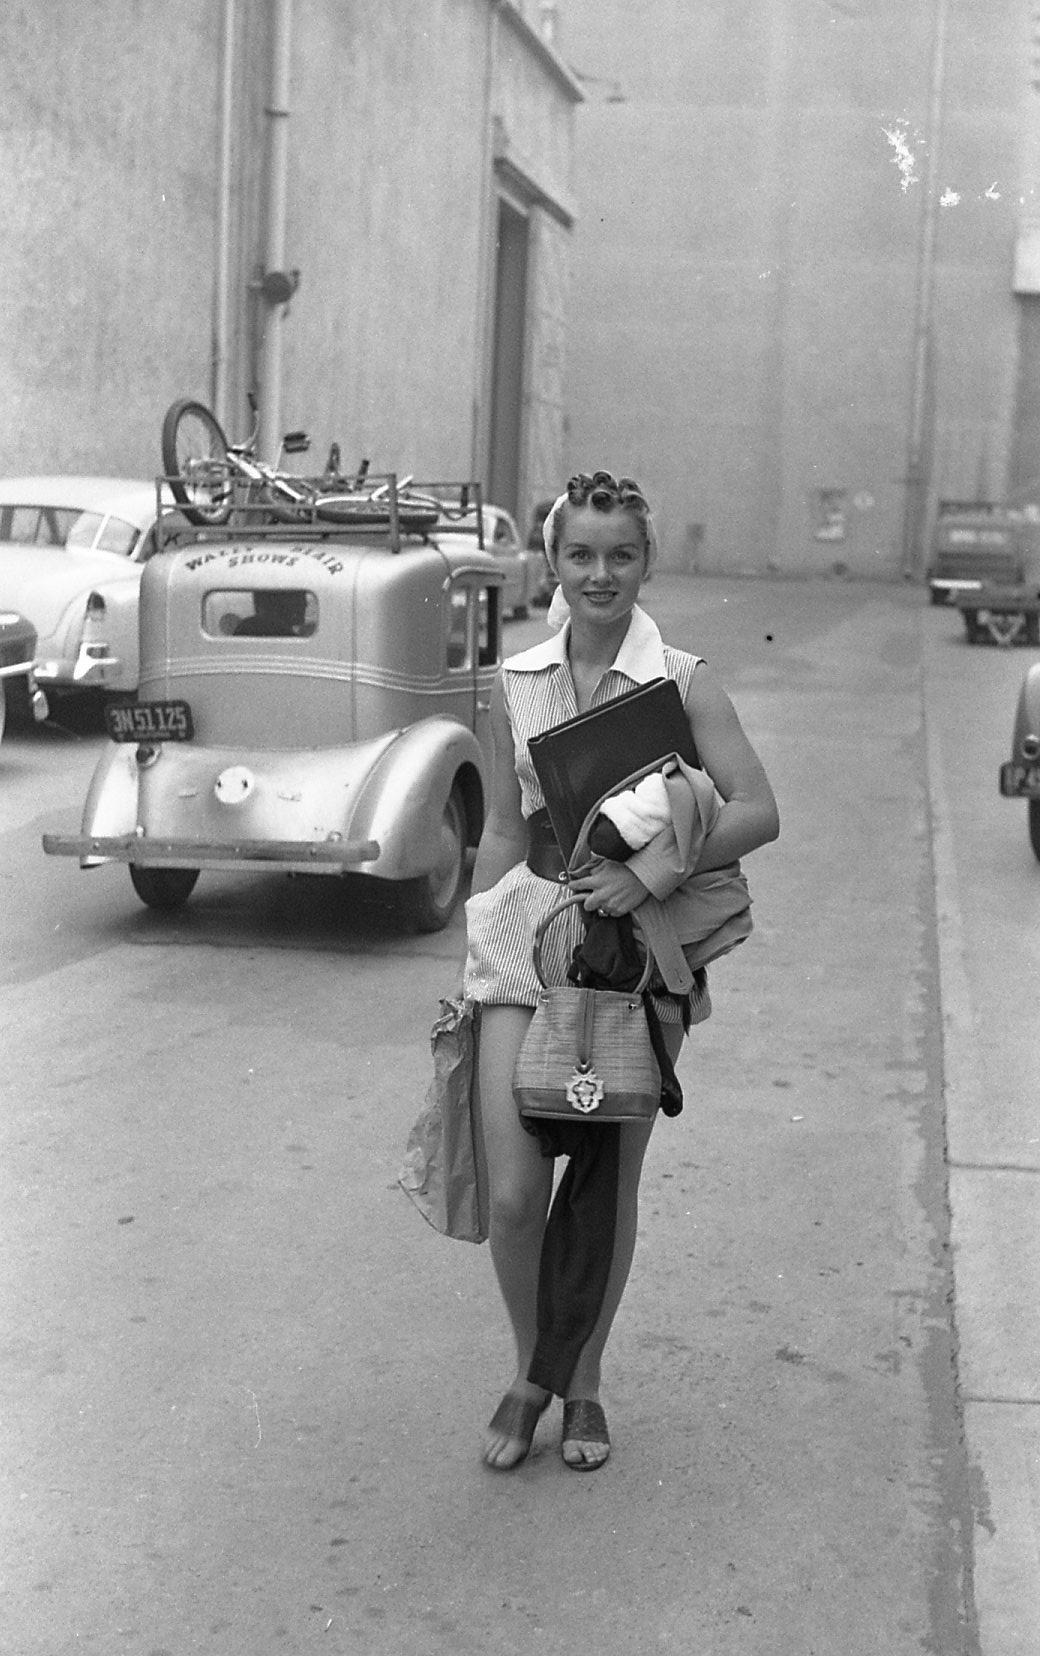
(504, 841)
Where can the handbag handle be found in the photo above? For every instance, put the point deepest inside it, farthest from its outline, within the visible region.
(543, 926)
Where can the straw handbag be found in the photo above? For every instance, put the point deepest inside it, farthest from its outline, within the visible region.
(587, 1054)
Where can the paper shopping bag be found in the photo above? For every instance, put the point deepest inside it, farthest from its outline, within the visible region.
(443, 1171)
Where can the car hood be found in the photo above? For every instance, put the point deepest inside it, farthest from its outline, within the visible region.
(42, 581)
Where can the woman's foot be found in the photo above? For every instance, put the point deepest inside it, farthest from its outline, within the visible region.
(586, 1440)
(511, 1428)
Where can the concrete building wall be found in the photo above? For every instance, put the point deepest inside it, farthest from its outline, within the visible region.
(109, 150)
(747, 273)
(106, 200)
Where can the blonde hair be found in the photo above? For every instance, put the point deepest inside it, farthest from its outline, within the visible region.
(605, 493)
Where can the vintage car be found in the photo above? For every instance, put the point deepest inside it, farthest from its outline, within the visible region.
(312, 698)
(17, 649)
(71, 554)
(985, 562)
(1020, 775)
(980, 543)
(527, 580)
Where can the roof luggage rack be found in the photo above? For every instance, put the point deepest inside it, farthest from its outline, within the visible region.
(309, 508)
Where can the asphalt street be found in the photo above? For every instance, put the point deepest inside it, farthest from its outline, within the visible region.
(245, 1384)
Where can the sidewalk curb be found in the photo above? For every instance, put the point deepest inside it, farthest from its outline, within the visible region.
(1002, 1432)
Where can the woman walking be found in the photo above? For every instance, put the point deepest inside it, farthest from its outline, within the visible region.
(600, 543)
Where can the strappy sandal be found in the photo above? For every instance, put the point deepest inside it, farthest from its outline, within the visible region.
(517, 1418)
(585, 1422)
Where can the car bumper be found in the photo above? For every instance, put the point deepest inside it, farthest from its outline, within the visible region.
(292, 856)
(950, 588)
(37, 699)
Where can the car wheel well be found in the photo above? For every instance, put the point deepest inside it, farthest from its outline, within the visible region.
(467, 781)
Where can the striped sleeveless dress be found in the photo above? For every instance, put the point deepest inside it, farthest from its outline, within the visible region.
(501, 921)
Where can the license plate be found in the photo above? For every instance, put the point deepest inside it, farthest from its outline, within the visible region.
(152, 721)
(1019, 780)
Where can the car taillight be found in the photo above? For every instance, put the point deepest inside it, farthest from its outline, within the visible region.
(95, 607)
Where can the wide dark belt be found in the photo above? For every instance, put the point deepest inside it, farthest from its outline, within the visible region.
(544, 856)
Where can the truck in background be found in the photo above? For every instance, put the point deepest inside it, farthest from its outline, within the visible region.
(986, 562)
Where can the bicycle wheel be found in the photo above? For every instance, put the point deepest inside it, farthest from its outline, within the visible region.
(194, 451)
(352, 507)
(415, 515)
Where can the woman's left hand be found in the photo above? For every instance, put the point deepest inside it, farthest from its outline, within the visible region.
(609, 888)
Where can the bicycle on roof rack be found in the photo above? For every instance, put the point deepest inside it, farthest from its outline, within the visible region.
(210, 478)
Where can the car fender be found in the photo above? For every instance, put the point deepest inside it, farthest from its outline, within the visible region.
(1027, 714)
(120, 630)
(110, 807)
(401, 804)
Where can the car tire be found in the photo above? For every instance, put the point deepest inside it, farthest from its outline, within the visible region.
(971, 625)
(1034, 827)
(163, 888)
(19, 704)
(3, 709)
(429, 902)
(520, 613)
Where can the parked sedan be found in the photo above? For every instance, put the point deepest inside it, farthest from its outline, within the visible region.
(526, 572)
(71, 553)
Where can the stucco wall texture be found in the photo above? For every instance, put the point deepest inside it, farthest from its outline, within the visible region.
(108, 197)
(747, 265)
(107, 127)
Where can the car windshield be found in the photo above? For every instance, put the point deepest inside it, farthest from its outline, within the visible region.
(35, 525)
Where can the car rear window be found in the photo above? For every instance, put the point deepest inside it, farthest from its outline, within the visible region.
(266, 612)
(977, 537)
(35, 525)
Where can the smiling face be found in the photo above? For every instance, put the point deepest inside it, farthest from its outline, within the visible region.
(600, 561)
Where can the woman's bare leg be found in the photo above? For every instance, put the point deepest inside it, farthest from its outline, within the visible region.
(519, 1190)
(585, 1381)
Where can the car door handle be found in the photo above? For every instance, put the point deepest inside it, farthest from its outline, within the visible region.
(483, 706)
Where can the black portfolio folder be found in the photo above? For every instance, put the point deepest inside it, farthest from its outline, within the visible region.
(579, 761)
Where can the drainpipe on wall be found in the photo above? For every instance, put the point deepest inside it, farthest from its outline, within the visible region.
(222, 255)
(919, 438)
(485, 259)
(276, 287)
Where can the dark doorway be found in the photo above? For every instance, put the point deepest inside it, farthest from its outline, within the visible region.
(507, 362)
